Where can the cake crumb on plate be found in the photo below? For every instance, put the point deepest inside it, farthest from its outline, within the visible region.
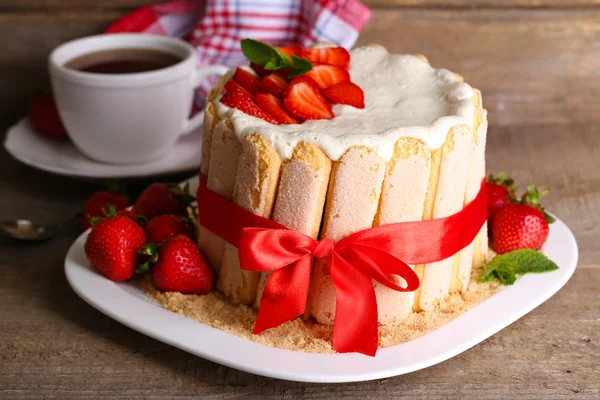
(303, 334)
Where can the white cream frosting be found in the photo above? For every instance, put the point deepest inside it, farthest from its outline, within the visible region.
(404, 97)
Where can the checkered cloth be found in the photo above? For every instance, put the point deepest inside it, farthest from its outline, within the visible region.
(215, 27)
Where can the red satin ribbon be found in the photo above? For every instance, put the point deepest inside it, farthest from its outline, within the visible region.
(266, 246)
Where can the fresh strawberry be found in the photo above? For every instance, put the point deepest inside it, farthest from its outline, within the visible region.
(129, 214)
(346, 93)
(181, 267)
(162, 198)
(260, 71)
(337, 56)
(521, 224)
(44, 117)
(274, 106)
(247, 80)
(305, 101)
(98, 203)
(112, 247)
(165, 226)
(498, 189)
(239, 98)
(276, 84)
(291, 50)
(327, 75)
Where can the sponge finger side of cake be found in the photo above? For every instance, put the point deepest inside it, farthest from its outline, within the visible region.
(255, 190)
(449, 183)
(301, 195)
(352, 202)
(223, 164)
(402, 199)
(472, 255)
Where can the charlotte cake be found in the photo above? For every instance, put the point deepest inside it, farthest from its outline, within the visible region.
(414, 152)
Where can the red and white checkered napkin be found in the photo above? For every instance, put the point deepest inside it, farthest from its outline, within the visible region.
(215, 27)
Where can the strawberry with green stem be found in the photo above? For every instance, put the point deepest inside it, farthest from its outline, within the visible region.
(521, 224)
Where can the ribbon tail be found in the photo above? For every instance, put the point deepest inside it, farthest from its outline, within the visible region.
(355, 327)
(285, 294)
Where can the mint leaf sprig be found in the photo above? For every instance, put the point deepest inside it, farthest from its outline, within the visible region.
(273, 59)
(507, 266)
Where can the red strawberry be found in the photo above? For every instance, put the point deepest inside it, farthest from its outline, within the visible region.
(274, 106)
(162, 198)
(260, 71)
(337, 56)
(305, 101)
(112, 247)
(498, 190)
(165, 226)
(129, 214)
(247, 80)
(98, 203)
(237, 97)
(276, 84)
(327, 75)
(181, 267)
(291, 50)
(521, 225)
(346, 93)
(44, 117)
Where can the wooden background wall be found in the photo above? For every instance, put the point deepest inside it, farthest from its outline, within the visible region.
(536, 61)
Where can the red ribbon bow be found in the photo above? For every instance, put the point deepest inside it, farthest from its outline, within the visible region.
(266, 246)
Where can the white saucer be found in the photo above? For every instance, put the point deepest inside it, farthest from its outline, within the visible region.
(63, 158)
(130, 306)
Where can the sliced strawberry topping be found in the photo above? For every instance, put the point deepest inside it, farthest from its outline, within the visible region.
(237, 97)
(337, 56)
(291, 50)
(327, 75)
(346, 93)
(260, 71)
(247, 80)
(274, 106)
(305, 101)
(276, 84)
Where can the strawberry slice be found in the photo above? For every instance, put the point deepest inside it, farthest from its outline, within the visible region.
(291, 50)
(305, 101)
(346, 93)
(274, 106)
(327, 75)
(239, 98)
(247, 80)
(337, 56)
(260, 71)
(276, 84)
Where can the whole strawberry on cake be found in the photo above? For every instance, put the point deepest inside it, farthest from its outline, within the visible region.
(328, 142)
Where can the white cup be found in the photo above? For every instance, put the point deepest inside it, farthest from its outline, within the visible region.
(127, 118)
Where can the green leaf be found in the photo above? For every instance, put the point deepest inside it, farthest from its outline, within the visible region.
(518, 262)
(265, 55)
(506, 273)
(273, 59)
(301, 66)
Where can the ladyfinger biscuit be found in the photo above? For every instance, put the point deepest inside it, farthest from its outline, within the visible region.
(402, 199)
(352, 202)
(467, 259)
(255, 191)
(225, 154)
(450, 186)
(210, 120)
(301, 195)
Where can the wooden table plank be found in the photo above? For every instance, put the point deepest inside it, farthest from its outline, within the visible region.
(53, 345)
(20, 5)
(532, 66)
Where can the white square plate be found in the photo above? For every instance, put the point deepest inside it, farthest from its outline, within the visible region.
(130, 306)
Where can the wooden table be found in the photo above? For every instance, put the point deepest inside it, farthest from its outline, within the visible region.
(537, 63)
